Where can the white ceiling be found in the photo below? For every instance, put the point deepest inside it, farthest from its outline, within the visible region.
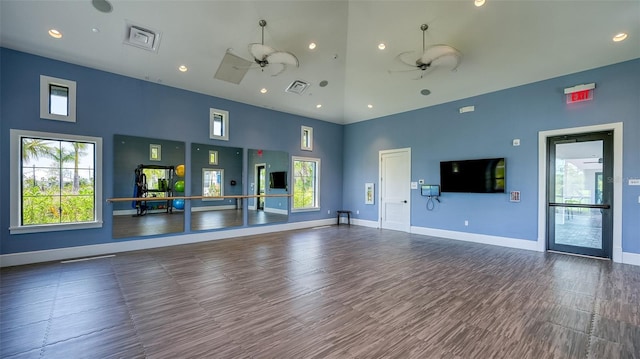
(504, 43)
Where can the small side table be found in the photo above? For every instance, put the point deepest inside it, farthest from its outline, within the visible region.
(348, 213)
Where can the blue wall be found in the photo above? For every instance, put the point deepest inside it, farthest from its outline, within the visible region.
(441, 133)
(109, 104)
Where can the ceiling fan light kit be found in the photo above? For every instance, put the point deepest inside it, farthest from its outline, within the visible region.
(432, 57)
(264, 55)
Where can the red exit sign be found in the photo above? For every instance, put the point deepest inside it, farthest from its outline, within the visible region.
(580, 96)
(579, 93)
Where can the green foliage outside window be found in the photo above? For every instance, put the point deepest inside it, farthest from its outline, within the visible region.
(304, 184)
(57, 181)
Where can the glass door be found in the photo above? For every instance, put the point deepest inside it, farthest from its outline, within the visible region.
(580, 193)
(262, 187)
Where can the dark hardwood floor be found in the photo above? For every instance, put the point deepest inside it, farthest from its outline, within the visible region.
(332, 292)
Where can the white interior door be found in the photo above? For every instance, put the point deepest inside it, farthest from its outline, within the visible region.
(395, 189)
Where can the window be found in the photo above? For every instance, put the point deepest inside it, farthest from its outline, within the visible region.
(213, 157)
(212, 180)
(56, 182)
(218, 124)
(306, 138)
(155, 152)
(306, 184)
(57, 99)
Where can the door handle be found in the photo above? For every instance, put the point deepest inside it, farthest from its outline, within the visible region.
(405, 201)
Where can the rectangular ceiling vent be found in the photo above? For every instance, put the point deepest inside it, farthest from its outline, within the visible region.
(142, 37)
(297, 87)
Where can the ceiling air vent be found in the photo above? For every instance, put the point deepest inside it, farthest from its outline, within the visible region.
(297, 87)
(141, 37)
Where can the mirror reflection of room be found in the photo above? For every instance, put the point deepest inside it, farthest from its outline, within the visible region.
(216, 171)
(267, 173)
(145, 169)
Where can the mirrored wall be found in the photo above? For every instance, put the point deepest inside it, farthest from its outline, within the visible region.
(216, 171)
(267, 174)
(147, 168)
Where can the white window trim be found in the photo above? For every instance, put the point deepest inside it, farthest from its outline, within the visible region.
(309, 131)
(318, 172)
(221, 183)
(158, 148)
(45, 81)
(225, 124)
(16, 180)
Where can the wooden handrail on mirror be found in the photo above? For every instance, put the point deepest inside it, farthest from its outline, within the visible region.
(125, 199)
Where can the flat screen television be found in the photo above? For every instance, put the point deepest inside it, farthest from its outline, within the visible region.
(278, 179)
(473, 176)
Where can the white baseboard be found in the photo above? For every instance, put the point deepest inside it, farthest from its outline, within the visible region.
(14, 259)
(276, 210)
(212, 208)
(478, 238)
(631, 258)
(364, 223)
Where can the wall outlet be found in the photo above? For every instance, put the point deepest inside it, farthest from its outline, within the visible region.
(328, 211)
(466, 223)
(358, 211)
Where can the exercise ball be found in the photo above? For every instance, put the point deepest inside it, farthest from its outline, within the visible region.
(178, 203)
(179, 186)
(180, 170)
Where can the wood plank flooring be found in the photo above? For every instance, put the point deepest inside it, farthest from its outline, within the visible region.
(332, 292)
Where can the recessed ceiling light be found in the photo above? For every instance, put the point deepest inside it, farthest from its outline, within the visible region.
(318, 105)
(478, 3)
(620, 37)
(263, 90)
(425, 92)
(183, 68)
(370, 106)
(382, 46)
(312, 46)
(55, 34)
(95, 29)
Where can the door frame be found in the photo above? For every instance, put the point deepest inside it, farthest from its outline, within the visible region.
(379, 196)
(616, 254)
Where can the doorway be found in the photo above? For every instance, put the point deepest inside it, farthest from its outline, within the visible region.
(261, 186)
(395, 189)
(580, 193)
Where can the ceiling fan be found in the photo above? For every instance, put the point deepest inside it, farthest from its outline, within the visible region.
(264, 55)
(431, 57)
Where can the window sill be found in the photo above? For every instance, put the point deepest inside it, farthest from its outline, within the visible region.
(54, 227)
(315, 209)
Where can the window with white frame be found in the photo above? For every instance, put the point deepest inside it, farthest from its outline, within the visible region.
(212, 180)
(306, 184)
(57, 99)
(56, 182)
(218, 124)
(306, 138)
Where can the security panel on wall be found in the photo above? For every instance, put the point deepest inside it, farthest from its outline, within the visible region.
(430, 190)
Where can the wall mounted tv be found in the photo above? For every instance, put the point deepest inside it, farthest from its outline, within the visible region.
(278, 179)
(473, 176)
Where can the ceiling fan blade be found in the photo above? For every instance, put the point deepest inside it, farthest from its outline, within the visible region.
(441, 55)
(408, 58)
(260, 51)
(403, 70)
(283, 57)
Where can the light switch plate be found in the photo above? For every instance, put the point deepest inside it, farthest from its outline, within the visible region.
(634, 181)
(414, 185)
